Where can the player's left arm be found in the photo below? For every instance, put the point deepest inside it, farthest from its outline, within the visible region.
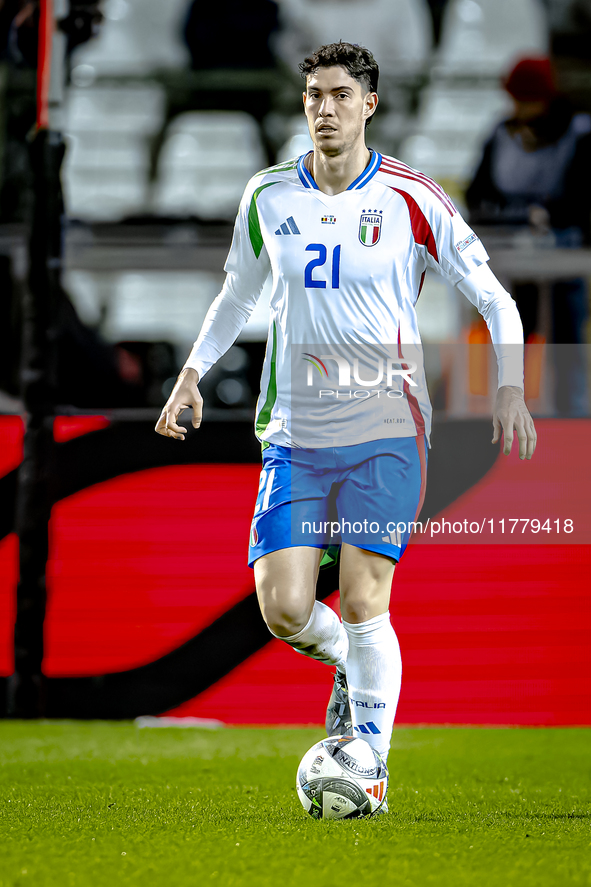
(511, 415)
(459, 256)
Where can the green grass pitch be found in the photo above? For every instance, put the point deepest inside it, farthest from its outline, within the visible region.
(92, 804)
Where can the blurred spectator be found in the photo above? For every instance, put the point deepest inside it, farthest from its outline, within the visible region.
(571, 20)
(19, 25)
(437, 8)
(231, 34)
(535, 171)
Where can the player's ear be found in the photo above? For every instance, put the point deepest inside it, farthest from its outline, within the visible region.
(305, 94)
(371, 103)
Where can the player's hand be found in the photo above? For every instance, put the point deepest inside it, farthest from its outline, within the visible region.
(185, 395)
(511, 414)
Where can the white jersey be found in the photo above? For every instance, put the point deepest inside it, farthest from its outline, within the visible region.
(343, 363)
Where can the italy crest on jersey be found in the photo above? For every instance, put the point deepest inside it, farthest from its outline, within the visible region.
(370, 228)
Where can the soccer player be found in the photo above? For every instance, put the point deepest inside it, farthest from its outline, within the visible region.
(347, 235)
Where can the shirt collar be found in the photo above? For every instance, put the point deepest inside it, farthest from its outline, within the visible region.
(361, 181)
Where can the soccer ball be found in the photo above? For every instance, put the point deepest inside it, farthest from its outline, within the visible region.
(341, 777)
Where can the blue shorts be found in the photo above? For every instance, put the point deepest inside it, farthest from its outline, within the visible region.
(367, 495)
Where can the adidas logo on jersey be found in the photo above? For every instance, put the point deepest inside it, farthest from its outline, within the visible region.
(288, 227)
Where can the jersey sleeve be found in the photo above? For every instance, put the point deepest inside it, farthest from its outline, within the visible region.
(502, 318)
(457, 249)
(447, 244)
(247, 268)
(450, 247)
(457, 253)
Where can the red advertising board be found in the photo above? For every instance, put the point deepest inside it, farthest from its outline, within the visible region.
(496, 631)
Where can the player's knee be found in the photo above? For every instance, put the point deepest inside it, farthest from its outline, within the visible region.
(285, 620)
(357, 610)
(358, 606)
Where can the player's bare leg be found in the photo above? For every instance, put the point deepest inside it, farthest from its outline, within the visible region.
(365, 582)
(374, 666)
(286, 589)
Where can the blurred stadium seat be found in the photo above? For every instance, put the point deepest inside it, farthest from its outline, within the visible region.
(298, 139)
(445, 156)
(464, 99)
(462, 109)
(205, 162)
(146, 305)
(451, 128)
(398, 32)
(105, 173)
(486, 36)
(136, 38)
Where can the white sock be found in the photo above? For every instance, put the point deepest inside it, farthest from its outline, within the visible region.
(323, 638)
(374, 673)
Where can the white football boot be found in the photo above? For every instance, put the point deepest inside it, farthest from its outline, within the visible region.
(338, 712)
(383, 808)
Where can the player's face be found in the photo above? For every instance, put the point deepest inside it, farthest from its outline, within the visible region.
(337, 107)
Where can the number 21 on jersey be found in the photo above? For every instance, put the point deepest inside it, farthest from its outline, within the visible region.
(318, 283)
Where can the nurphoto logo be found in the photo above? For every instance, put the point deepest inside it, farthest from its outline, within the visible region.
(385, 369)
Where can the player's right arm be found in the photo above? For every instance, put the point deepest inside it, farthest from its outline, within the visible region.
(247, 267)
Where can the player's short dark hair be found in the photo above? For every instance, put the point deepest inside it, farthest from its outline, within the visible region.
(356, 60)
